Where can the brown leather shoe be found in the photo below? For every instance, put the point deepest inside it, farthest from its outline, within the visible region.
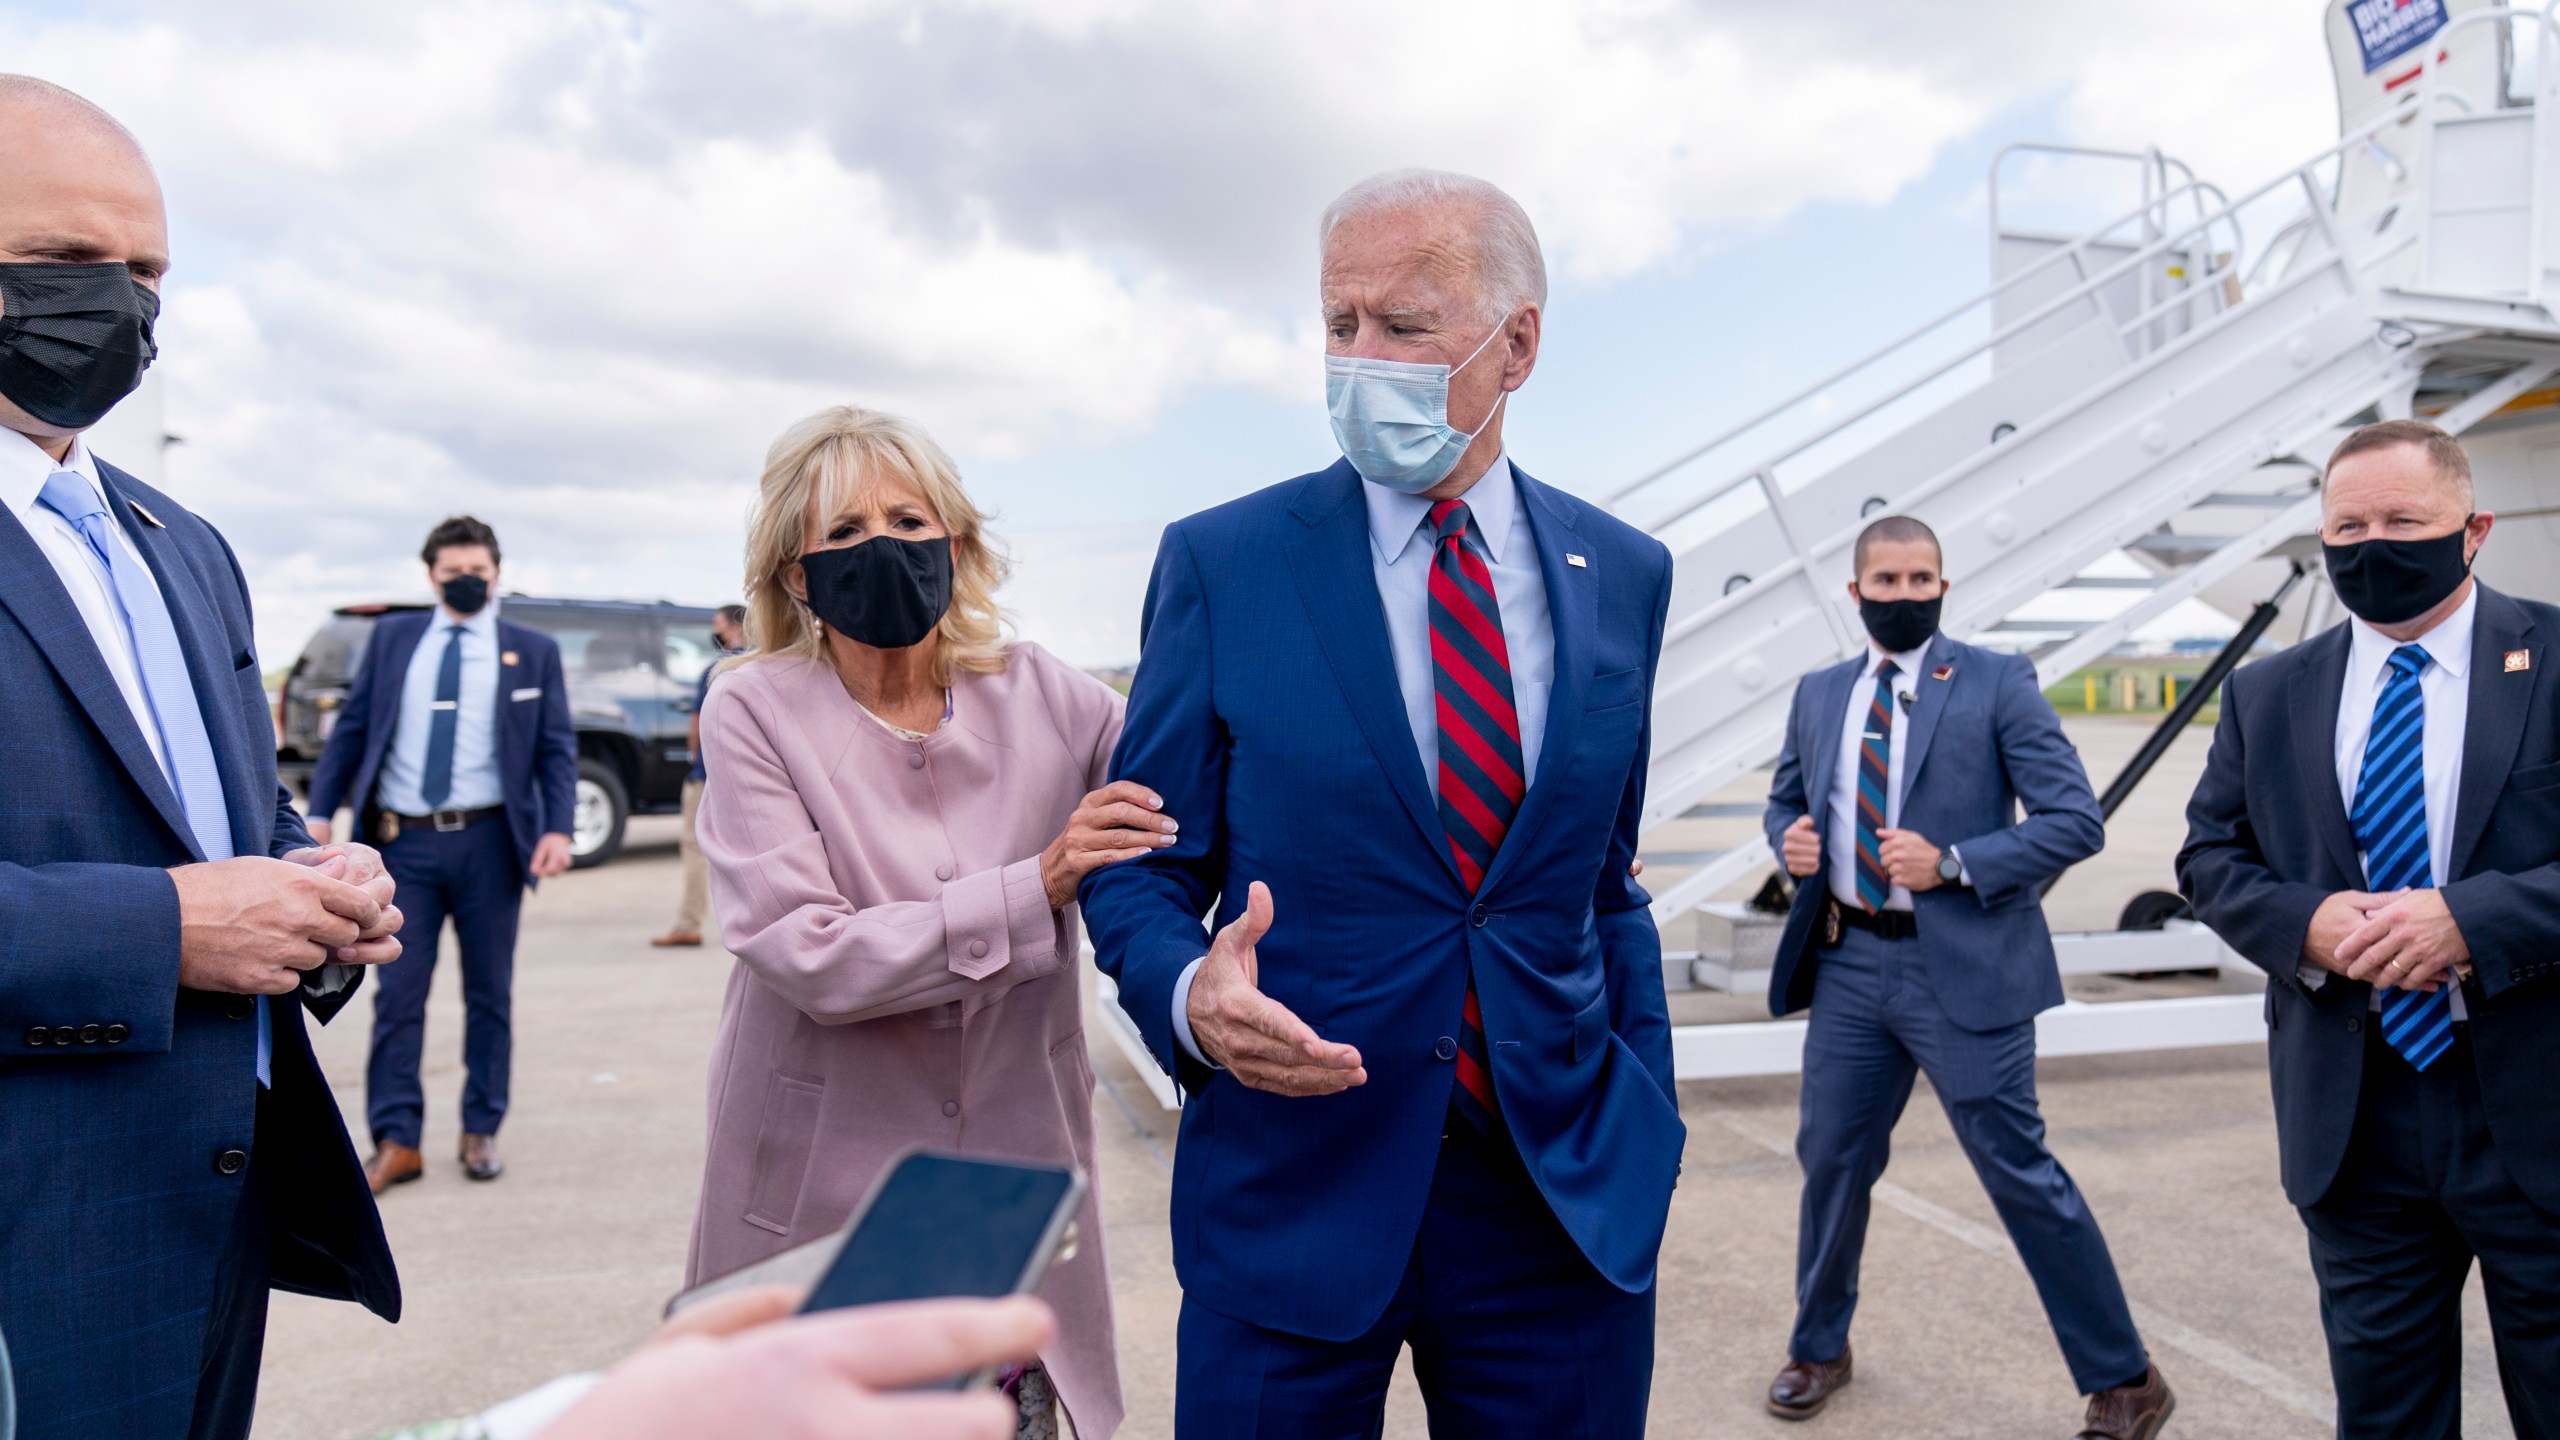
(480, 1157)
(2130, 1412)
(1804, 1387)
(678, 940)
(393, 1164)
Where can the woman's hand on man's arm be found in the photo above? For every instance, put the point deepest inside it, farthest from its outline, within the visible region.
(1121, 821)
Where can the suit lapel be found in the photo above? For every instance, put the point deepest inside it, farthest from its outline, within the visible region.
(1929, 702)
(1830, 713)
(514, 741)
(1330, 562)
(2500, 702)
(33, 594)
(2313, 705)
(1573, 610)
(210, 665)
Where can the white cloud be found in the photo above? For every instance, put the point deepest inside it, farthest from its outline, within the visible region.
(570, 266)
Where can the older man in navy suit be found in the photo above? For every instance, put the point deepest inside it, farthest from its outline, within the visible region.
(1918, 939)
(456, 751)
(168, 1147)
(2378, 828)
(1400, 709)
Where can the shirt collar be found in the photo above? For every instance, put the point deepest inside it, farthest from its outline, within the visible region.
(1906, 665)
(2448, 645)
(483, 626)
(1493, 502)
(24, 469)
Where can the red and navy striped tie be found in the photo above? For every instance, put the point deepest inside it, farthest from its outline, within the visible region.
(1482, 776)
(1875, 777)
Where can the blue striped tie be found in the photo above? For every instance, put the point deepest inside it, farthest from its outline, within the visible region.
(2390, 820)
(165, 685)
(1875, 775)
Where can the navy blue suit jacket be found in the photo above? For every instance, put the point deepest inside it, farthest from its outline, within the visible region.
(1983, 741)
(537, 744)
(113, 1214)
(1266, 713)
(2268, 840)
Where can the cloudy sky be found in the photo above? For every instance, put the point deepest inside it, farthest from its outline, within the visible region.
(570, 265)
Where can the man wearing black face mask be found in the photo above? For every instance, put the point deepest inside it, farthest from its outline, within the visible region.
(1921, 956)
(2378, 827)
(169, 1150)
(456, 751)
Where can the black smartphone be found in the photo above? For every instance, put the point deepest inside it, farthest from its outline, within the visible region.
(938, 1225)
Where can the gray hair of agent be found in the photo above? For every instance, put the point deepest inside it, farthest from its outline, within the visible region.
(1510, 269)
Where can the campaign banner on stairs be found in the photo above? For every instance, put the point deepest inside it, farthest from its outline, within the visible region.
(2389, 29)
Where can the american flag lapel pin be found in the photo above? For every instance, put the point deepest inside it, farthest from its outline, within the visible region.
(1943, 672)
(2519, 660)
(1576, 561)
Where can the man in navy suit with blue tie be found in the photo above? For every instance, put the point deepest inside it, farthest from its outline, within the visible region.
(1399, 709)
(1917, 937)
(456, 751)
(169, 1150)
(2378, 828)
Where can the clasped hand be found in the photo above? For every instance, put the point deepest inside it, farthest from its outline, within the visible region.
(1910, 861)
(252, 926)
(1254, 1037)
(2406, 940)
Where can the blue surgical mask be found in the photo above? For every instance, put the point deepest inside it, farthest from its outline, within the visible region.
(1391, 418)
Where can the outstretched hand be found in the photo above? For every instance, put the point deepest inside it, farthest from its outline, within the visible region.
(1253, 1036)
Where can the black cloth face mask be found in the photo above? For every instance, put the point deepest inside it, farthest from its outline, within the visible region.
(74, 339)
(2383, 582)
(1900, 625)
(886, 593)
(465, 594)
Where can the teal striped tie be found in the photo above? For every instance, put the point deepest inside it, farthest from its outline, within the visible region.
(1875, 776)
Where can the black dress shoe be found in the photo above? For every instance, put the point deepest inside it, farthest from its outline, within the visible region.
(480, 1157)
(1805, 1386)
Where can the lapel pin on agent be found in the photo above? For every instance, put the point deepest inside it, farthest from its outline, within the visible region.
(1943, 672)
(2519, 660)
(508, 658)
(1576, 561)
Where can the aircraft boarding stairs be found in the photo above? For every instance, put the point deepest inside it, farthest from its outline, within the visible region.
(2167, 386)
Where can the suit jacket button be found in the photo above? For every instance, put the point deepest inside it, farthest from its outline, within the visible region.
(39, 1035)
(230, 1162)
(116, 1034)
(64, 1034)
(1447, 1049)
(239, 1007)
(1476, 917)
(90, 1032)
(2354, 1023)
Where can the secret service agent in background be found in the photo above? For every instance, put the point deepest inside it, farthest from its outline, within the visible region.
(729, 632)
(456, 752)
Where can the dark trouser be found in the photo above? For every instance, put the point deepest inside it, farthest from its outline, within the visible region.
(1513, 1333)
(235, 1333)
(471, 875)
(2421, 1195)
(1876, 1022)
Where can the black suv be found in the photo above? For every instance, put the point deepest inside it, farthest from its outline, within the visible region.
(632, 668)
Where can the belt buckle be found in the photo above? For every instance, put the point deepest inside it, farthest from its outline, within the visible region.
(448, 821)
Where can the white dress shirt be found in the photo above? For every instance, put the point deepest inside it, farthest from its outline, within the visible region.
(476, 784)
(1400, 556)
(23, 472)
(2444, 690)
(1840, 840)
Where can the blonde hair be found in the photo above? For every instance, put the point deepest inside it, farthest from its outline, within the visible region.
(828, 455)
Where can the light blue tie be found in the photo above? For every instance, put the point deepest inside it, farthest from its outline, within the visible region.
(170, 694)
(2390, 820)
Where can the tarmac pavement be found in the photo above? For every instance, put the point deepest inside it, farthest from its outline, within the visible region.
(563, 1264)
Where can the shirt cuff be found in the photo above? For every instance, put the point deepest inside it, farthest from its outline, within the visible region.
(1182, 1015)
(1964, 877)
(2311, 976)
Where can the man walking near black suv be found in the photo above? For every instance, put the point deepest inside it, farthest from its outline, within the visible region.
(455, 750)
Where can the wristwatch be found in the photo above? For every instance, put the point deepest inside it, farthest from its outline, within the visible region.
(1950, 869)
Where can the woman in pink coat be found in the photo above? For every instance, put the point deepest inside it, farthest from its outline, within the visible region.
(900, 804)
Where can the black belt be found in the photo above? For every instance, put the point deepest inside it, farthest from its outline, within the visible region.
(1883, 924)
(442, 821)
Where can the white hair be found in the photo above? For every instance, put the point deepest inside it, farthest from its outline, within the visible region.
(1511, 272)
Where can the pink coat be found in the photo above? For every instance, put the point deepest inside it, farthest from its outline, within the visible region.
(901, 979)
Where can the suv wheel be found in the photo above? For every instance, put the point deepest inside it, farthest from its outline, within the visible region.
(603, 806)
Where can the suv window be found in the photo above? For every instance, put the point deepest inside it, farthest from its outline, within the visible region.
(689, 649)
(330, 658)
(596, 644)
